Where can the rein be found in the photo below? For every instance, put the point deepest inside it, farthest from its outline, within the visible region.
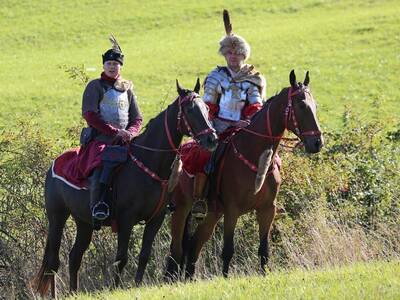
(289, 115)
(181, 116)
(164, 182)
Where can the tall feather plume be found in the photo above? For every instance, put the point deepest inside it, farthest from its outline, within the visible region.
(227, 22)
(114, 43)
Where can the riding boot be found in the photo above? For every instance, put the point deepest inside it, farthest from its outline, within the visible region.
(98, 208)
(199, 208)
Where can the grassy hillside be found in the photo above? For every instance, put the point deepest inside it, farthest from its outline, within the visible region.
(342, 204)
(350, 48)
(361, 281)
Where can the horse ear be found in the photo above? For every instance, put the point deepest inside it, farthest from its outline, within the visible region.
(292, 79)
(197, 86)
(179, 89)
(307, 79)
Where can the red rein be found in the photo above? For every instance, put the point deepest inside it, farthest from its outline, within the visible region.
(164, 182)
(289, 116)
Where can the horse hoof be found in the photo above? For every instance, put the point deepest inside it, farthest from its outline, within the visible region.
(96, 224)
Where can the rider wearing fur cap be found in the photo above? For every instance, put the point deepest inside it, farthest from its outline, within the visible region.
(234, 93)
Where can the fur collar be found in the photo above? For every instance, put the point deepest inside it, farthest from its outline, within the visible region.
(123, 85)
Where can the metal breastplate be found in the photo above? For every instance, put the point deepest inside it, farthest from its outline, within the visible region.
(114, 108)
(232, 101)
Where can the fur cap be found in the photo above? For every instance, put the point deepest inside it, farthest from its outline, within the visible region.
(235, 43)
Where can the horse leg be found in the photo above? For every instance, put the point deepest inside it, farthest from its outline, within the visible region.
(178, 236)
(265, 216)
(185, 241)
(202, 235)
(51, 260)
(82, 240)
(125, 228)
(149, 234)
(230, 221)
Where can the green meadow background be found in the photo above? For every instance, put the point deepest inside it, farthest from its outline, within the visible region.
(351, 49)
(342, 203)
(376, 280)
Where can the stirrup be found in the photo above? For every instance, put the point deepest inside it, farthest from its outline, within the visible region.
(200, 209)
(101, 211)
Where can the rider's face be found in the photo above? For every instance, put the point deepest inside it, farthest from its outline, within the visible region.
(234, 60)
(112, 68)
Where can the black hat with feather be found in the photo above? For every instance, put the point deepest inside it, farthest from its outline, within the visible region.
(115, 53)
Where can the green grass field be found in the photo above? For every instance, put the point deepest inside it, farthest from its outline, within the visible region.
(377, 280)
(350, 48)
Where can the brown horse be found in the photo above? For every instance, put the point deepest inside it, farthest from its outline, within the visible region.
(241, 183)
(139, 190)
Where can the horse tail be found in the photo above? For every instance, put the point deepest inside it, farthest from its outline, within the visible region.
(41, 282)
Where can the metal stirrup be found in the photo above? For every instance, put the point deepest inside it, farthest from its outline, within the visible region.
(101, 211)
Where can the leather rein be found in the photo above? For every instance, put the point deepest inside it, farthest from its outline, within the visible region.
(182, 119)
(289, 116)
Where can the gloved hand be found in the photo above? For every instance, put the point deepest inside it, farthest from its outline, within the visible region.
(242, 123)
(123, 137)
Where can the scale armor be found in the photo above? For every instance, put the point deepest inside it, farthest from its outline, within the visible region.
(232, 96)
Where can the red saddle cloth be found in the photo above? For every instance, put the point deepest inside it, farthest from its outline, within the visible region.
(194, 157)
(75, 165)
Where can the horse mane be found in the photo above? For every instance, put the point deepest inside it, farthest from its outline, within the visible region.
(152, 120)
(274, 96)
(266, 103)
(148, 124)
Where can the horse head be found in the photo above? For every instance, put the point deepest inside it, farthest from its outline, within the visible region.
(301, 117)
(194, 116)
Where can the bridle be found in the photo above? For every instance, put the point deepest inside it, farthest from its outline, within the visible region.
(289, 117)
(182, 119)
(182, 125)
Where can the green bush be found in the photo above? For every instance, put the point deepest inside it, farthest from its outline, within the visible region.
(342, 206)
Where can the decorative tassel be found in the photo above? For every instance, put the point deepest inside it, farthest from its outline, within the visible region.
(263, 164)
(176, 170)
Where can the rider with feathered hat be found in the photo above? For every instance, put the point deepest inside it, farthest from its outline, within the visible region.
(233, 93)
(110, 108)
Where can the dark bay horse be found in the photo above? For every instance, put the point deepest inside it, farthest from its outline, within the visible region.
(139, 190)
(235, 185)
